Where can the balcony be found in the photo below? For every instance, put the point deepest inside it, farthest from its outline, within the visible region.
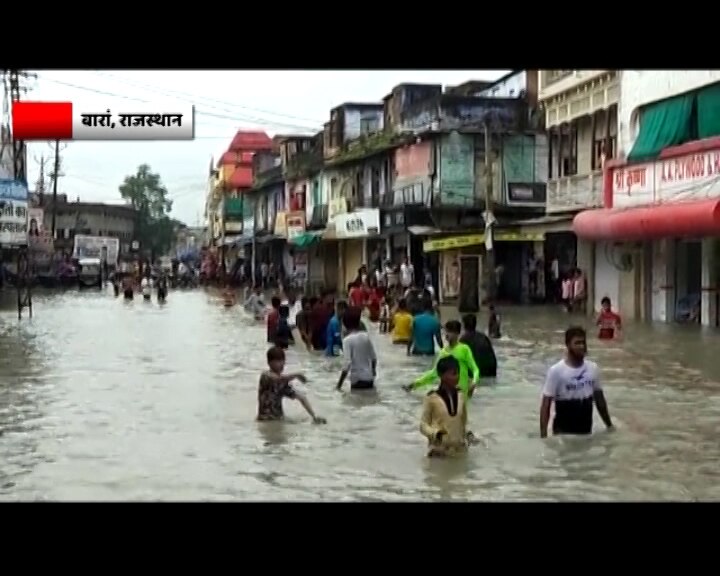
(575, 193)
(412, 195)
(233, 209)
(574, 86)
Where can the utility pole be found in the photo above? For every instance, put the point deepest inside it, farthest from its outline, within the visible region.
(13, 90)
(55, 175)
(489, 217)
(40, 190)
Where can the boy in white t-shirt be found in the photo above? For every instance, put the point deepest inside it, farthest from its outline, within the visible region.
(359, 353)
(146, 288)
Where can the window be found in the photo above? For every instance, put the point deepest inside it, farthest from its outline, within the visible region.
(369, 125)
(566, 142)
(375, 187)
(604, 139)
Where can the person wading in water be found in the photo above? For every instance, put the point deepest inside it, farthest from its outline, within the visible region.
(462, 353)
(444, 415)
(573, 384)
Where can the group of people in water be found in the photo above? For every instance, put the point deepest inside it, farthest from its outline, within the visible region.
(463, 357)
(129, 283)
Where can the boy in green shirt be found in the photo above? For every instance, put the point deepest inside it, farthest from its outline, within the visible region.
(462, 353)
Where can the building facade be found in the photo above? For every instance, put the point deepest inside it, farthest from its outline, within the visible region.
(581, 110)
(657, 236)
(89, 218)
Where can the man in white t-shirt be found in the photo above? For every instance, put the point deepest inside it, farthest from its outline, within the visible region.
(359, 353)
(573, 384)
(407, 273)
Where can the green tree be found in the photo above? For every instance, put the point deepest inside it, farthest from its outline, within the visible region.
(154, 229)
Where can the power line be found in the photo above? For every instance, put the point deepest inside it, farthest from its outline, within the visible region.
(195, 98)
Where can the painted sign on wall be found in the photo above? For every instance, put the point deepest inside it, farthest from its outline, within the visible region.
(13, 212)
(358, 224)
(687, 177)
(457, 169)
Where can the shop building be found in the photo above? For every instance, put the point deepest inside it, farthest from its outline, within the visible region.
(656, 239)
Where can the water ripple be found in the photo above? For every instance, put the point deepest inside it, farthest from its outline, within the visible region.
(103, 399)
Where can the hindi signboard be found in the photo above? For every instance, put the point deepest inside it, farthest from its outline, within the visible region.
(13, 212)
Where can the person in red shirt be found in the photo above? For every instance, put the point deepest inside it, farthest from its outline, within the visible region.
(608, 321)
(273, 318)
(356, 295)
(373, 304)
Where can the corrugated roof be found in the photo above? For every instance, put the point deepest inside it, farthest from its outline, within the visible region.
(251, 140)
(242, 177)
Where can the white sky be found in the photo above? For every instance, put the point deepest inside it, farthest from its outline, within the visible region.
(275, 101)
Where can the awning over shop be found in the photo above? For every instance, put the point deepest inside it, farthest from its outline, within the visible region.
(671, 220)
(456, 242)
(306, 239)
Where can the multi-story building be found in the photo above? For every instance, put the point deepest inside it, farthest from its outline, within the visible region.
(581, 122)
(657, 254)
(434, 211)
(226, 210)
(91, 218)
(224, 207)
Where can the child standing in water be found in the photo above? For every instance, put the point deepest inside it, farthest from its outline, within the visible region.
(444, 415)
(361, 360)
(274, 386)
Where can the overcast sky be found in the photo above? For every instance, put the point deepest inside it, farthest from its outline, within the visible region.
(275, 101)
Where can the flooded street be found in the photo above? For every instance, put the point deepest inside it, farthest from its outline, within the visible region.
(106, 400)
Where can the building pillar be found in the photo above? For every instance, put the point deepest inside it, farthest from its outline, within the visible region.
(709, 301)
(663, 280)
(586, 263)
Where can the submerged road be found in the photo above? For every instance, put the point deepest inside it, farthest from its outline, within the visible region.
(106, 400)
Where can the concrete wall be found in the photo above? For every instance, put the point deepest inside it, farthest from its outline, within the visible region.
(640, 87)
(607, 277)
(97, 223)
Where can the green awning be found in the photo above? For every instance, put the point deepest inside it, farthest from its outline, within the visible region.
(306, 239)
(708, 111)
(663, 124)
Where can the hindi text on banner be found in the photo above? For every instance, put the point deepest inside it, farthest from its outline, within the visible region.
(144, 122)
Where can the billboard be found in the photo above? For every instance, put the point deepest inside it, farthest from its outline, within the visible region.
(13, 212)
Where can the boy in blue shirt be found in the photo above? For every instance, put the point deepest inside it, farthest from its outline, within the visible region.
(426, 331)
(334, 330)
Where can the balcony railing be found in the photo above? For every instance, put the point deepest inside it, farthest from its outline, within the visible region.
(411, 195)
(574, 193)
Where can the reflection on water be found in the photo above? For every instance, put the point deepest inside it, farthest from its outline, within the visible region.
(103, 399)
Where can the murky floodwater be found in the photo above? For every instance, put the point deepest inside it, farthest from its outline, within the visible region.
(105, 400)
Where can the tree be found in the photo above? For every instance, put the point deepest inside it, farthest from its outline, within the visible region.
(154, 229)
